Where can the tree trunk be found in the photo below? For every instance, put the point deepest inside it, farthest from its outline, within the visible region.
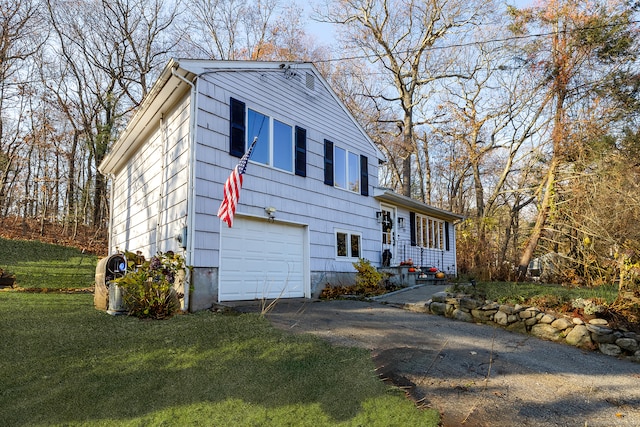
(543, 214)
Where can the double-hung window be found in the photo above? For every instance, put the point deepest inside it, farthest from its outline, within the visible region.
(345, 169)
(279, 145)
(275, 141)
(348, 245)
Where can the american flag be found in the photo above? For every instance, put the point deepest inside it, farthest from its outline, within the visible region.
(232, 188)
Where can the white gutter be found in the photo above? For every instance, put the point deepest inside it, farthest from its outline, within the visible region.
(191, 195)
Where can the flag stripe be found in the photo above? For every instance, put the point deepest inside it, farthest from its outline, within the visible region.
(232, 188)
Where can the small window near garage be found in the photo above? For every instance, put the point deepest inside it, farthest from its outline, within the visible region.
(348, 245)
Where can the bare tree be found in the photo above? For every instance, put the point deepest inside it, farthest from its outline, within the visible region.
(398, 37)
(109, 50)
(21, 37)
(587, 41)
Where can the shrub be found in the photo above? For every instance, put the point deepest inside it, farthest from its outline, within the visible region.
(367, 277)
(148, 291)
(369, 282)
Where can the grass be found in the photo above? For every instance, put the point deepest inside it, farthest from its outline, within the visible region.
(65, 363)
(43, 265)
(541, 294)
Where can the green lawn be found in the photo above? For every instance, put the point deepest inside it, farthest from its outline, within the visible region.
(542, 294)
(43, 265)
(64, 363)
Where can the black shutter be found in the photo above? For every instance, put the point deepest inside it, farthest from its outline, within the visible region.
(301, 151)
(364, 175)
(412, 227)
(328, 162)
(237, 132)
(446, 235)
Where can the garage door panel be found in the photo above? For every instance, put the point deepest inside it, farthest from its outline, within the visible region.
(261, 260)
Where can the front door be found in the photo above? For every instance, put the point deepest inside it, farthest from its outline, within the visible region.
(388, 225)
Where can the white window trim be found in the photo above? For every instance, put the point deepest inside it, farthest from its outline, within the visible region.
(271, 140)
(346, 161)
(435, 233)
(349, 257)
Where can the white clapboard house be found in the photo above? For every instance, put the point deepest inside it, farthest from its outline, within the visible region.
(309, 206)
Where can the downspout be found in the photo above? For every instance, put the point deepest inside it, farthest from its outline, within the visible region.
(112, 178)
(163, 166)
(191, 196)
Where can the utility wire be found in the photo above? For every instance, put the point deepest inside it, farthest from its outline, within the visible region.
(479, 42)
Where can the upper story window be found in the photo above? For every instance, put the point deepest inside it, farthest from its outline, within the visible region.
(429, 232)
(279, 144)
(345, 169)
(275, 141)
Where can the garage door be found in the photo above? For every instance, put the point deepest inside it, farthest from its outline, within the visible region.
(259, 259)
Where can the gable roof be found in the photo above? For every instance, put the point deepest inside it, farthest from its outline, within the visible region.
(174, 82)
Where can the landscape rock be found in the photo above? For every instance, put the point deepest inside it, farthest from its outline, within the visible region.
(628, 344)
(482, 315)
(579, 337)
(599, 330)
(546, 332)
(507, 309)
(491, 306)
(518, 327)
(440, 297)
(547, 318)
(573, 331)
(562, 323)
(501, 318)
(469, 303)
(462, 315)
(610, 349)
(439, 308)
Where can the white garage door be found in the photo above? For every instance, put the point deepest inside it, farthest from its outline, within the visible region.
(259, 259)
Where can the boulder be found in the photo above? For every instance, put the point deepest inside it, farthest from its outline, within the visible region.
(482, 315)
(579, 337)
(440, 297)
(469, 303)
(546, 332)
(628, 344)
(562, 323)
(505, 308)
(501, 318)
(547, 318)
(609, 349)
(462, 315)
(439, 308)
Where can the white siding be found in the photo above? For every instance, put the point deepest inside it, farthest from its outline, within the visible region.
(150, 196)
(301, 200)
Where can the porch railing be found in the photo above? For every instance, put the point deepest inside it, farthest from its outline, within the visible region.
(421, 257)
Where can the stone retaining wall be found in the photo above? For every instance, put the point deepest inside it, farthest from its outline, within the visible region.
(595, 334)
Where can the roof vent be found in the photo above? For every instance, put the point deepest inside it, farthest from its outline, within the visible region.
(310, 82)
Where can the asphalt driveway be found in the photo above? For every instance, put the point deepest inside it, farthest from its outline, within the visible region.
(476, 375)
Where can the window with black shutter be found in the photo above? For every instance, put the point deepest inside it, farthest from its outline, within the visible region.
(412, 227)
(301, 152)
(328, 162)
(364, 175)
(446, 235)
(237, 132)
